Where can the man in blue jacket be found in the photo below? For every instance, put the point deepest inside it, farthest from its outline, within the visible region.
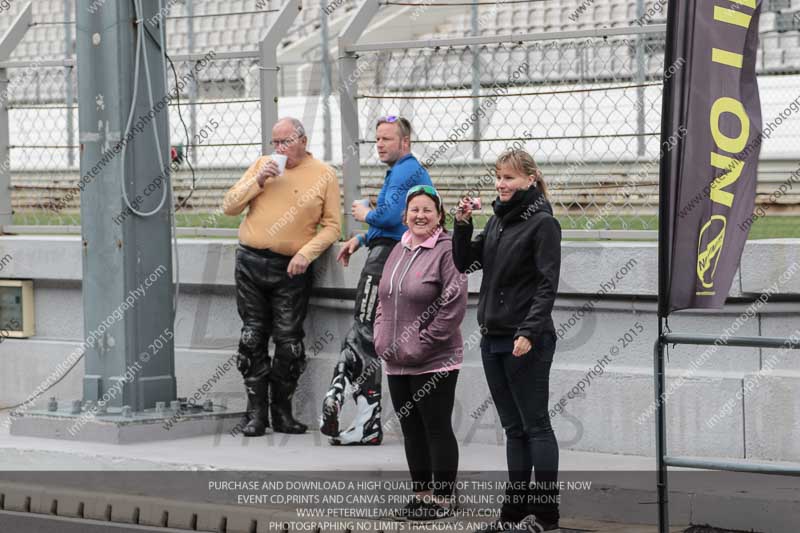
(359, 368)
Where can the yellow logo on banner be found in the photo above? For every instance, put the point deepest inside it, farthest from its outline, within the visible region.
(708, 258)
(708, 255)
(712, 235)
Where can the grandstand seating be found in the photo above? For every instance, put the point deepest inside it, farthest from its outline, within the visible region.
(221, 30)
(226, 32)
(425, 71)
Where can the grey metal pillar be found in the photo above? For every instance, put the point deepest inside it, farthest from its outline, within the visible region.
(640, 76)
(189, 6)
(662, 480)
(127, 267)
(268, 58)
(327, 78)
(8, 42)
(5, 155)
(476, 86)
(348, 93)
(70, 96)
(584, 51)
(351, 149)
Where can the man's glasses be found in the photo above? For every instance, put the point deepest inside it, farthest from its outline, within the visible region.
(391, 119)
(282, 143)
(402, 123)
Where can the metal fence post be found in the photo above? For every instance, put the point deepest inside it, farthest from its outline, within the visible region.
(192, 83)
(664, 230)
(6, 216)
(476, 84)
(348, 94)
(351, 150)
(268, 59)
(9, 41)
(68, 71)
(5, 155)
(662, 486)
(326, 83)
(640, 78)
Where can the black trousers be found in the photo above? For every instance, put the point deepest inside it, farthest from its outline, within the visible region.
(424, 405)
(270, 304)
(520, 390)
(358, 360)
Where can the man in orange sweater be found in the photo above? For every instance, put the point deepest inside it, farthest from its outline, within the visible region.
(278, 241)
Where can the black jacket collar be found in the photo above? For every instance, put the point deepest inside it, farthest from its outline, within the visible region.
(522, 205)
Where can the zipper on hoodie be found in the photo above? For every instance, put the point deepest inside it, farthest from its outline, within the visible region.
(391, 287)
(395, 325)
(400, 290)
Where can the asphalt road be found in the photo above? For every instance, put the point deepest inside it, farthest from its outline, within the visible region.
(35, 523)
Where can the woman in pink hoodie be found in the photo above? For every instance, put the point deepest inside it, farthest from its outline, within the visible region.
(422, 299)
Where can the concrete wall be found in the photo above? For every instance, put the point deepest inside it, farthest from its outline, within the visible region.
(721, 405)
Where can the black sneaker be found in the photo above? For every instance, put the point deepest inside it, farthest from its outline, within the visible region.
(455, 505)
(430, 511)
(404, 513)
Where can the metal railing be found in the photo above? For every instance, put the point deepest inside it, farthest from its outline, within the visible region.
(222, 107)
(585, 103)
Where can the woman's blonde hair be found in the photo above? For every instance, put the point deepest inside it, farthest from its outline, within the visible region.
(522, 161)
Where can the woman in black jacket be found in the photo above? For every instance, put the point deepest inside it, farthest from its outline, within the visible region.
(520, 254)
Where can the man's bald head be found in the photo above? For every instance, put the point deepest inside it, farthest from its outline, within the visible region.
(289, 139)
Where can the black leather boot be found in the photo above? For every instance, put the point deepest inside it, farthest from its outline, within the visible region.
(281, 408)
(334, 399)
(257, 412)
(247, 416)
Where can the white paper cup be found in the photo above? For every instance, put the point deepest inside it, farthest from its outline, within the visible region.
(280, 160)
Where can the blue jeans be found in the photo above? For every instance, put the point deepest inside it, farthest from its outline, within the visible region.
(520, 388)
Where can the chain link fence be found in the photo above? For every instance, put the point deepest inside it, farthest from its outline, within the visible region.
(215, 134)
(215, 125)
(215, 119)
(588, 109)
(216, 130)
(43, 149)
